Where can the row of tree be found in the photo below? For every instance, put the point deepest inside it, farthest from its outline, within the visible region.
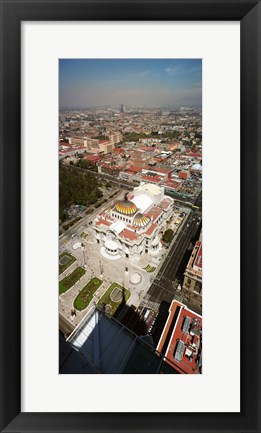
(134, 136)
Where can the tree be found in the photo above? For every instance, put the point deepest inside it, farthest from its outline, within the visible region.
(198, 135)
(100, 137)
(168, 236)
(62, 214)
(77, 187)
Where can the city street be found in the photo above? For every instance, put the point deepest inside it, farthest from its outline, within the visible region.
(162, 287)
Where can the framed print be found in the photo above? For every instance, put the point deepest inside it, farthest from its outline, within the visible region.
(155, 90)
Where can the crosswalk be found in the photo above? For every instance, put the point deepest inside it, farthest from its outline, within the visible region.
(162, 280)
(150, 305)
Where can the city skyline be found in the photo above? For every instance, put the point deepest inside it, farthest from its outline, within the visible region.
(105, 82)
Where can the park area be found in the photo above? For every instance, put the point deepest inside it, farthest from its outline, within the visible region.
(65, 260)
(114, 299)
(85, 296)
(70, 280)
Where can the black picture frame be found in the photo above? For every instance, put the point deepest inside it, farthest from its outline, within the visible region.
(248, 12)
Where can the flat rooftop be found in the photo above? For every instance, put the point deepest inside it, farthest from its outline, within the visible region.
(180, 341)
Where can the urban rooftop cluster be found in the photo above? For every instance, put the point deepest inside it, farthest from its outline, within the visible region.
(130, 259)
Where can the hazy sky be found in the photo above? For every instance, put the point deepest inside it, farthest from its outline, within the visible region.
(84, 82)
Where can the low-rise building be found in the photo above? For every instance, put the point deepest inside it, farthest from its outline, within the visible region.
(79, 141)
(106, 146)
(181, 339)
(171, 185)
(115, 137)
(92, 159)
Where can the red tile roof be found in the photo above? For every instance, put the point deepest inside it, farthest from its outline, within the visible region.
(154, 212)
(151, 229)
(118, 150)
(164, 204)
(103, 222)
(105, 142)
(92, 158)
(129, 234)
(198, 155)
(172, 184)
(135, 169)
(152, 179)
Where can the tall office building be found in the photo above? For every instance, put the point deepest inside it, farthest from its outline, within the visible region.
(122, 108)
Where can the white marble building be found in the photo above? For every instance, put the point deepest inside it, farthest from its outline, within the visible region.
(130, 227)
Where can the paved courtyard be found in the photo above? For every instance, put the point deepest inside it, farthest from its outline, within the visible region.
(128, 273)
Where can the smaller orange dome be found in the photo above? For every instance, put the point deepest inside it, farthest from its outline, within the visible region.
(141, 220)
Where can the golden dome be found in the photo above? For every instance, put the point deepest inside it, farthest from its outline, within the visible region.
(125, 207)
(140, 220)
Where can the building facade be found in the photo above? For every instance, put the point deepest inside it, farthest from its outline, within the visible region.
(192, 284)
(79, 141)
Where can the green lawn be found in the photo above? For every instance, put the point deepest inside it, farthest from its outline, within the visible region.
(70, 280)
(83, 235)
(149, 268)
(115, 307)
(66, 265)
(85, 296)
